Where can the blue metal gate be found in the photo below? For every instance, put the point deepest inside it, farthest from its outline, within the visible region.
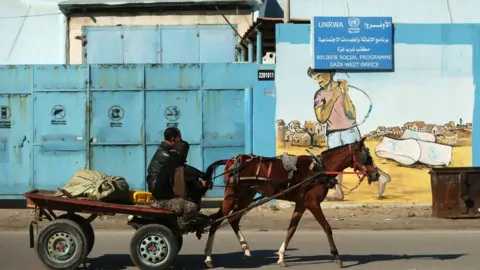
(15, 135)
(111, 118)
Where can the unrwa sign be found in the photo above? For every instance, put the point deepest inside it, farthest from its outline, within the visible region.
(352, 43)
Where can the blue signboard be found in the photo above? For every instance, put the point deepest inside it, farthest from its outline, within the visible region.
(352, 43)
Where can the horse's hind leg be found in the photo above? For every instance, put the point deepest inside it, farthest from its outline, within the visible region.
(296, 217)
(313, 204)
(226, 208)
(244, 198)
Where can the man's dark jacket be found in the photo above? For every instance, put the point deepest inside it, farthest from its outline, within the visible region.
(163, 188)
(157, 163)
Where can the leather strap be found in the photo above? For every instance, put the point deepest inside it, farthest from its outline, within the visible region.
(258, 168)
(269, 173)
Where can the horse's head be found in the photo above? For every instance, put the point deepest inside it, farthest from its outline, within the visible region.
(356, 156)
(362, 160)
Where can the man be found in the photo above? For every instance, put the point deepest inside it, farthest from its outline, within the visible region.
(171, 135)
(170, 190)
(196, 186)
(333, 107)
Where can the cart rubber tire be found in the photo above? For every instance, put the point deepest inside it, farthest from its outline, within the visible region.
(87, 229)
(180, 242)
(69, 231)
(154, 236)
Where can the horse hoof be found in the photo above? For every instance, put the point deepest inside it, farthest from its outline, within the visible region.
(282, 264)
(339, 263)
(209, 264)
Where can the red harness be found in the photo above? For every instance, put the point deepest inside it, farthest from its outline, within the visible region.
(231, 162)
(356, 169)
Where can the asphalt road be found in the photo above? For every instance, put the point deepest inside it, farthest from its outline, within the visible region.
(368, 250)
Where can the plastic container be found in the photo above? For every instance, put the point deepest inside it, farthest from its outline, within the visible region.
(141, 197)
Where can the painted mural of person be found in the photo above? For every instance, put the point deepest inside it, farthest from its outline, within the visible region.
(333, 107)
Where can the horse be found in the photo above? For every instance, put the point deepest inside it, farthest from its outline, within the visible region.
(245, 175)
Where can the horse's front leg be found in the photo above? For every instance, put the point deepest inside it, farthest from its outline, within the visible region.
(245, 198)
(296, 217)
(226, 208)
(313, 204)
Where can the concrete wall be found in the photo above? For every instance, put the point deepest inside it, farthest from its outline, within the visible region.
(402, 11)
(242, 22)
(33, 32)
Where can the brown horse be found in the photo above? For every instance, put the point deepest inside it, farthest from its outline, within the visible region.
(245, 175)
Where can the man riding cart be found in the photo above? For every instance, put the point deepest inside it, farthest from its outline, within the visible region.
(174, 185)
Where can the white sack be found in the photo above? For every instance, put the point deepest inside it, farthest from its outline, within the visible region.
(435, 154)
(421, 136)
(406, 152)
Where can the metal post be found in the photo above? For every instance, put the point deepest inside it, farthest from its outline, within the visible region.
(242, 54)
(259, 47)
(286, 12)
(250, 52)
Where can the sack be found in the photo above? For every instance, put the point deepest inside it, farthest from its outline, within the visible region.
(96, 185)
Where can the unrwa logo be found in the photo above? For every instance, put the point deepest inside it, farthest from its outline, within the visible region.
(354, 23)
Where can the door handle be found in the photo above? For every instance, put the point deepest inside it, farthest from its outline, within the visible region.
(21, 142)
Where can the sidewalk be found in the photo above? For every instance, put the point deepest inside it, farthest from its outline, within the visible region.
(277, 217)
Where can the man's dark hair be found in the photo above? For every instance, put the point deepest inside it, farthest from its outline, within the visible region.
(171, 133)
(182, 148)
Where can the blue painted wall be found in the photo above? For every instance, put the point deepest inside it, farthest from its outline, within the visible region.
(59, 119)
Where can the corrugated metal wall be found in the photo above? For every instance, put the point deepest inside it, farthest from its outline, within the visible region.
(159, 44)
(205, 20)
(57, 119)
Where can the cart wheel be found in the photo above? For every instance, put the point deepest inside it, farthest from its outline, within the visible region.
(87, 229)
(180, 242)
(62, 245)
(153, 246)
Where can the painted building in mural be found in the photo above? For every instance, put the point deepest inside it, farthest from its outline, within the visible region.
(422, 113)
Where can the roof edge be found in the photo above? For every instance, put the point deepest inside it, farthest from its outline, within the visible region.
(69, 7)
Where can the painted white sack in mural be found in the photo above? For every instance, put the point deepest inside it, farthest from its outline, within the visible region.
(435, 154)
(406, 152)
(423, 136)
(411, 151)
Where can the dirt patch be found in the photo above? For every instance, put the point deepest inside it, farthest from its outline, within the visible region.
(275, 218)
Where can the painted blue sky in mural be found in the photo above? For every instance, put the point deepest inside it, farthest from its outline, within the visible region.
(431, 83)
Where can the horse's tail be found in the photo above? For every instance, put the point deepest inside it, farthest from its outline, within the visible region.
(212, 168)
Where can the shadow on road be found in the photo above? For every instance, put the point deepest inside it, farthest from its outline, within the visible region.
(110, 262)
(260, 258)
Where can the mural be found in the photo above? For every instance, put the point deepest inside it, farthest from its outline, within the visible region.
(415, 118)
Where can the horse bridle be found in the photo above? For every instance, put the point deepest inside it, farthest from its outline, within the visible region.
(359, 161)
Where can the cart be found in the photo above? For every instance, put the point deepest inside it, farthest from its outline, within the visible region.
(67, 240)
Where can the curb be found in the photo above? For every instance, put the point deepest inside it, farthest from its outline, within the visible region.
(330, 205)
